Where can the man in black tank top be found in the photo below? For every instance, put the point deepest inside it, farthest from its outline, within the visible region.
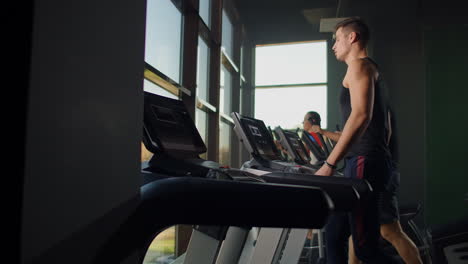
(363, 140)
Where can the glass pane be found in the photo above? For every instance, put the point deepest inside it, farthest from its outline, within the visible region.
(225, 92)
(242, 96)
(224, 143)
(201, 122)
(291, 63)
(205, 11)
(242, 59)
(162, 249)
(156, 89)
(203, 69)
(227, 35)
(163, 37)
(286, 106)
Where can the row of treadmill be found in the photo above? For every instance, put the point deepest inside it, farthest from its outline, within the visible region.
(260, 213)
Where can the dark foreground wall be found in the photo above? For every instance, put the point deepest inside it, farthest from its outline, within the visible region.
(83, 127)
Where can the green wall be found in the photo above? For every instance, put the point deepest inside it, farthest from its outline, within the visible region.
(447, 122)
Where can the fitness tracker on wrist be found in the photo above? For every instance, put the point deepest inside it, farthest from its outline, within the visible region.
(330, 165)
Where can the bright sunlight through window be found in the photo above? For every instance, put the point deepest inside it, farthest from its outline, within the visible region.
(291, 79)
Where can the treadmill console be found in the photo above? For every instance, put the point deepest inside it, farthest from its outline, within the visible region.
(294, 145)
(256, 137)
(259, 142)
(168, 127)
(171, 134)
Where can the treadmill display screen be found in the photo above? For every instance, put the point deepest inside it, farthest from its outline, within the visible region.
(169, 126)
(260, 138)
(297, 145)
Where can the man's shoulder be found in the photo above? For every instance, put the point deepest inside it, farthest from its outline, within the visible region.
(361, 67)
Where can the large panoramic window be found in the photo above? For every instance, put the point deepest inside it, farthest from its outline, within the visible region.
(203, 69)
(227, 40)
(290, 80)
(225, 130)
(225, 91)
(286, 106)
(164, 38)
(162, 249)
(194, 57)
(205, 11)
(156, 89)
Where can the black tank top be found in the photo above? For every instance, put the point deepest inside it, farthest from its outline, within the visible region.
(393, 145)
(373, 142)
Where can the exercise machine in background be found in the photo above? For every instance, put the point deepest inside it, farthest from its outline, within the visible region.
(257, 139)
(210, 197)
(294, 146)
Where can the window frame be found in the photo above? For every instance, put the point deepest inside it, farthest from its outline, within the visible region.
(193, 27)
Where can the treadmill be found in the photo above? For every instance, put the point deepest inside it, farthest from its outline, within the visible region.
(319, 154)
(211, 197)
(299, 154)
(258, 141)
(295, 147)
(344, 192)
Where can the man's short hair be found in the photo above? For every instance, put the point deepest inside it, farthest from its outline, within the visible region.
(355, 24)
(313, 118)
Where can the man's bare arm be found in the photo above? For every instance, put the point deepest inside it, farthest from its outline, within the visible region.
(361, 87)
(335, 136)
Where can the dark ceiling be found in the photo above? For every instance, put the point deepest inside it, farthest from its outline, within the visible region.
(285, 16)
(287, 11)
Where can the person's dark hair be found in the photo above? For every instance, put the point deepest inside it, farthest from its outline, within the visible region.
(355, 24)
(314, 118)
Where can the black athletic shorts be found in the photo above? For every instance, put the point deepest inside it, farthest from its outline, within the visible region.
(389, 211)
(365, 220)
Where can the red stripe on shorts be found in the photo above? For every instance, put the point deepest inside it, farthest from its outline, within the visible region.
(359, 218)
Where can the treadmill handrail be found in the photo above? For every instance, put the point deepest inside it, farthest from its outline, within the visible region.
(226, 197)
(346, 193)
(361, 185)
(200, 201)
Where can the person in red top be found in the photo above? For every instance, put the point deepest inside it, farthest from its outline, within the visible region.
(320, 151)
(312, 118)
